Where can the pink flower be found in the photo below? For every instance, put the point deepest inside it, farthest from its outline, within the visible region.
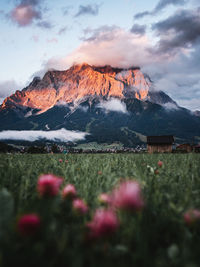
(60, 160)
(79, 206)
(160, 163)
(104, 223)
(66, 161)
(49, 184)
(191, 216)
(128, 196)
(69, 191)
(29, 224)
(104, 198)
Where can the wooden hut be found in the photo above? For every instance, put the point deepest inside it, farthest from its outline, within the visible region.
(160, 144)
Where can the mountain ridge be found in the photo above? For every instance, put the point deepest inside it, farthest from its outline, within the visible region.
(80, 81)
(111, 104)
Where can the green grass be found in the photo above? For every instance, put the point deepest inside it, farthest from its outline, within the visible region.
(157, 236)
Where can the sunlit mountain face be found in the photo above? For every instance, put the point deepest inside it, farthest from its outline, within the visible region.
(81, 81)
(110, 104)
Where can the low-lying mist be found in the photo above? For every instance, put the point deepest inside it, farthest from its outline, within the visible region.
(61, 135)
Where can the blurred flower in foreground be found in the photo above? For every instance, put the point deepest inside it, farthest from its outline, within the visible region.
(104, 223)
(191, 216)
(79, 206)
(69, 191)
(29, 224)
(49, 184)
(160, 163)
(60, 160)
(128, 196)
(104, 198)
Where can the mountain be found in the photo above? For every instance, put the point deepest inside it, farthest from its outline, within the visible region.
(112, 104)
(81, 81)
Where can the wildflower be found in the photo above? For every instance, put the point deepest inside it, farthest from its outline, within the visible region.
(104, 198)
(156, 172)
(66, 161)
(128, 196)
(29, 224)
(60, 160)
(79, 206)
(191, 216)
(49, 184)
(103, 224)
(69, 191)
(160, 163)
(99, 172)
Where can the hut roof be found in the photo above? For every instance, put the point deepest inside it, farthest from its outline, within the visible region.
(160, 140)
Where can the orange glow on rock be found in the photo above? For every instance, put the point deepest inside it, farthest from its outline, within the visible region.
(80, 81)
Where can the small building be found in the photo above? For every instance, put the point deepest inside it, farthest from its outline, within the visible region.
(197, 149)
(185, 148)
(160, 144)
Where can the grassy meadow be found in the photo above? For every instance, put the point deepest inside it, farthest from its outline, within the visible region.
(155, 236)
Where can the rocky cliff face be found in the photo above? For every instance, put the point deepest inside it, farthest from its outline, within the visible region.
(89, 91)
(81, 81)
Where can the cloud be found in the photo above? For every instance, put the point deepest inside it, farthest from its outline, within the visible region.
(62, 30)
(61, 135)
(181, 30)
(66, 10)
(192, 102)
(45, 24)
(107, 46)
(138, 29)
(7, 88)
(174, 71)
(101, 33)
(179, 77)
(83, 108)
(113, 105)
(88, 10)
(170, 106)
(142, 14)
(162, 4)
(27, 12)
(61, 103)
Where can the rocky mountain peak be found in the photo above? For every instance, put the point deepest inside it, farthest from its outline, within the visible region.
(81, 81)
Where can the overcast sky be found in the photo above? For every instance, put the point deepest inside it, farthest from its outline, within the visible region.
(160, 36)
